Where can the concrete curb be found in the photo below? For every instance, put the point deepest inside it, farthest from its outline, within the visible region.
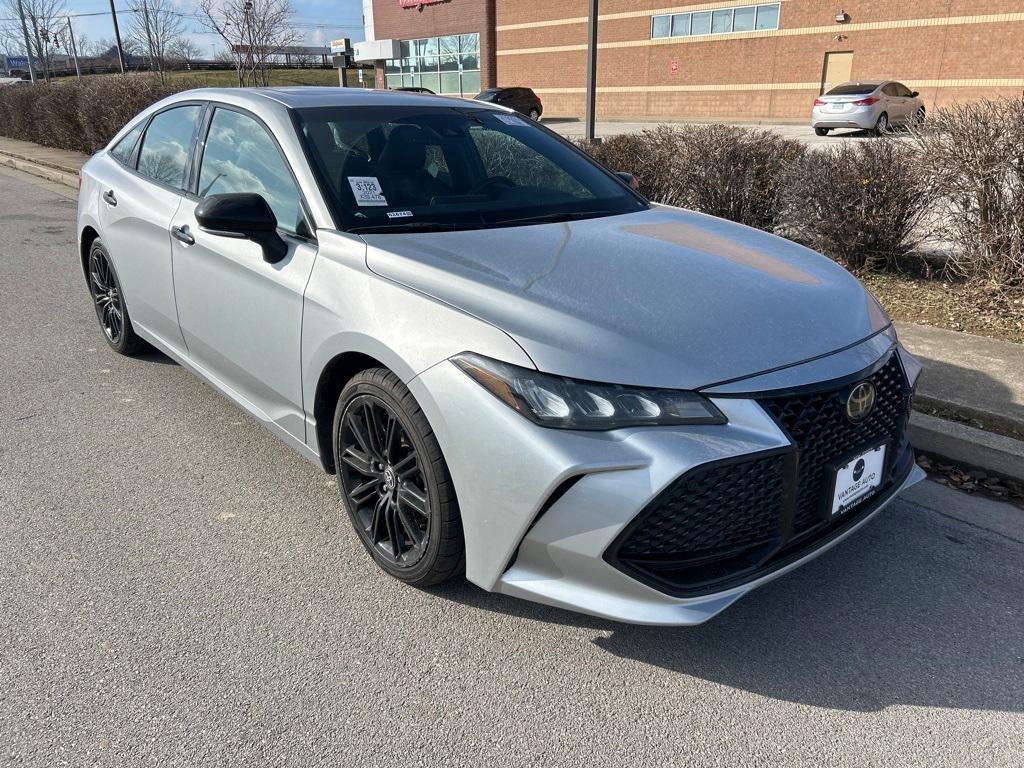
(966, 445)
(48, 172)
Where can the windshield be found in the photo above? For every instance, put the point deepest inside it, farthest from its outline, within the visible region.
(853, 89)
(403, 168)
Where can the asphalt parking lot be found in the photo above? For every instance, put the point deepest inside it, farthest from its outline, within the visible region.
(178, 589)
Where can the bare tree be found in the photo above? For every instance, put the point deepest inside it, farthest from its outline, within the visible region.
(255, 30)
(43, 18)
(184, 50)
(154, 25)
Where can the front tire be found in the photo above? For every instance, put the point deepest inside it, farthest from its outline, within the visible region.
(394, 481)
(534, 114)
(108, 300)
(821, 131)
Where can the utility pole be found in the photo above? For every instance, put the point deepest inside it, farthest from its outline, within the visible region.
(591, 117)
(28, 43)
(117, 37)
(74, 50)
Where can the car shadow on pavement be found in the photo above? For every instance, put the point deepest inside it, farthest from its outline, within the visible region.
(881, 620)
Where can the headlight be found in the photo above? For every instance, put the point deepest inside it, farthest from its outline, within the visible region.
(554, 401)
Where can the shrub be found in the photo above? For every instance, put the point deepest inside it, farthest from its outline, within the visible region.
(726, 171)
(81, 115)
(862, 204)
(973, 158)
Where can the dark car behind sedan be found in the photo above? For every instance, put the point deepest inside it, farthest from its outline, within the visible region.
(522, 100)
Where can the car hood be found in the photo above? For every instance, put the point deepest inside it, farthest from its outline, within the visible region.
(660, 298)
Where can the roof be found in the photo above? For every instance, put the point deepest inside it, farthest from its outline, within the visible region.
(327, 96)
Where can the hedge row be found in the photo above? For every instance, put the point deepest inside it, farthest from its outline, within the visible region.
(82, 115)
(959, 178)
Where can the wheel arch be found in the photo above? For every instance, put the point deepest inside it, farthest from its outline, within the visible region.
(338, 371)
(88, 236)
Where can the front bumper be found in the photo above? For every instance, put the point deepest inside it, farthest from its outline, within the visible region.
(542, 508)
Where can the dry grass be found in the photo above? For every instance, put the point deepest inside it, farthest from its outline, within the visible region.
(983, 309)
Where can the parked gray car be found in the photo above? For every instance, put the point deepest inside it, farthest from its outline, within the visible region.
(519, 369)
(868, 105)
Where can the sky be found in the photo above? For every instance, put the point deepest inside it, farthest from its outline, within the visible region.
(319, 21)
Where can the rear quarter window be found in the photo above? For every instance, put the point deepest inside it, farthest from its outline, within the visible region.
(124, 149)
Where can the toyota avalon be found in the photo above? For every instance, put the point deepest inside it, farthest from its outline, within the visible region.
(520, 370)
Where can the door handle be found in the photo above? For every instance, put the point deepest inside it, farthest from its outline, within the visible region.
(182, 234)
(109, 197)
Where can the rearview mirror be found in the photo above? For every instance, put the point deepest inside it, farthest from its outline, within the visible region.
(243, 215)
(630, 179)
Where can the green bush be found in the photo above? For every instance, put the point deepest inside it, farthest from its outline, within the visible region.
(727, 171)
(81, 115)
(860, 203)
(972, 156)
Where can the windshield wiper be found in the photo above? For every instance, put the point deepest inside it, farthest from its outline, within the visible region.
(548, 218)
(406, 226)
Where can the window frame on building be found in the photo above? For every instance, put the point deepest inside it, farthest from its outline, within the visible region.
(664, 25)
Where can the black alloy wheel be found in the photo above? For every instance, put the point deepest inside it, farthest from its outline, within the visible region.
(108, 300)
(394, 481)
(383, 484)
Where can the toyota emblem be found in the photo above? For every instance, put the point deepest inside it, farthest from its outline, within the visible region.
(861, 401)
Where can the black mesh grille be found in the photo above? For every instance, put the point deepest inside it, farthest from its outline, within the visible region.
(728, 522)
(712, 510)
(817, 423)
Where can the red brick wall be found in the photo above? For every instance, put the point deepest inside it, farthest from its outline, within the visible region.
(450, 17)
(788, 67)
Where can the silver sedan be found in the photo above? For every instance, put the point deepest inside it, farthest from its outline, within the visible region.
(869, 106)
(519, 369)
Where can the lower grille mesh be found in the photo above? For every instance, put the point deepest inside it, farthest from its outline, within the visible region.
(741, 517)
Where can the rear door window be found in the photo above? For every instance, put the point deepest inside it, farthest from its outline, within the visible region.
(165, 148)
(125, 148)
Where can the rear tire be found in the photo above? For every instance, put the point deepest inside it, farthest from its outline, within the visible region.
(394, 481)
(108, 301)
(821, 131)
(882, 126)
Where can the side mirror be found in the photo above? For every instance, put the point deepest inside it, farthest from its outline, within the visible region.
(915, 94)
(630, 179)
(246, 216)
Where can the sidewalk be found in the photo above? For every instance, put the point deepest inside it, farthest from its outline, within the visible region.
(970, 398)
(58, 165)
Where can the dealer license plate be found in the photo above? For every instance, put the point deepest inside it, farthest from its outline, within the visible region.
(857, 478)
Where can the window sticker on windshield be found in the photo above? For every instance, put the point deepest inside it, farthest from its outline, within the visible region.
(367, 190)
(433, 168)
(511, 119)
(399, 214)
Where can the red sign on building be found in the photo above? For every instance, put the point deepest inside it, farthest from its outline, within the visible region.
(418, 3)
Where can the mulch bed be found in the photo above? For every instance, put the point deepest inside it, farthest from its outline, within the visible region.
(973, 480)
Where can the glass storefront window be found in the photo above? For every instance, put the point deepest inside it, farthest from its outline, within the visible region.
(471, 83)
(435, 63)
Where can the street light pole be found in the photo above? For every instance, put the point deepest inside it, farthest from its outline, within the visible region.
(117, 37)
(28, 44)
(591, 117)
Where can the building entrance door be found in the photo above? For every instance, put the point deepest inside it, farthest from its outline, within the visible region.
(836, 70)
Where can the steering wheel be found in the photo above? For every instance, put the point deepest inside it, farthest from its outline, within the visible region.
(493, 181)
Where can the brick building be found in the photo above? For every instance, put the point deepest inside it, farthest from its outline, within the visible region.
(733, 60)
